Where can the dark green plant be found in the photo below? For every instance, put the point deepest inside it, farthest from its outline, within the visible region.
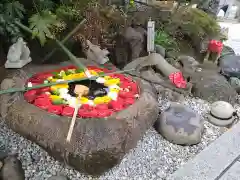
(164, 39)
(10, 11)
(195, 22)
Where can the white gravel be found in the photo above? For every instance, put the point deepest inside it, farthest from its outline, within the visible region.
(153, 158)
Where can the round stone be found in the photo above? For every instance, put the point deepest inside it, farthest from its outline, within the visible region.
(180, 125)
(221, 113)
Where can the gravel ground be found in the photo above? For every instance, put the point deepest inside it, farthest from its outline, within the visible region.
(153, 158)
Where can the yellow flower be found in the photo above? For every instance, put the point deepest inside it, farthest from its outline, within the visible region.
(94, 73)
(83, 100)
(58, 86)
(102, 100)
(114, 90)
(74, 76)
(111, 82)
(50, 78)
(54, 97)
(107, 77)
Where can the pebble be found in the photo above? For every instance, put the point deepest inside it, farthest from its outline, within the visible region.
(153, 158)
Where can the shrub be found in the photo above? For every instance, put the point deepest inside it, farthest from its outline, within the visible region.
(195, 22)
(164, 39)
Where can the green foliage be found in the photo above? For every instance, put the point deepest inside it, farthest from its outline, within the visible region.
(41, 23)
(44, 5)
(10, 11)
(68, 13)
(195, 22)
(14, 9)
(164, 39)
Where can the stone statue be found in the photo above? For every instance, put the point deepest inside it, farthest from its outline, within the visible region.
(18, 55)
(96, 54)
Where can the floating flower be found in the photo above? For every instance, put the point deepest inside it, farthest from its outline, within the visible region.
(59, 99)
(111, 82)
(56, 109)
(68, 111)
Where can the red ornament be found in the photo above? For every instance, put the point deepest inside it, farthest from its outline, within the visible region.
(178, 80)
(30, 95)
(68, 111)
(215, 46)
(56, 109)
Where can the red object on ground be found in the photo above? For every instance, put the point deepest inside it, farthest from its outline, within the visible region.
(178, 80)
(68, 111)
(30, 95)
(56, 109)
(215, 46)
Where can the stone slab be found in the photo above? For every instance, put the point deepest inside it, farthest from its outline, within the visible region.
(233, 173)
(213, 160)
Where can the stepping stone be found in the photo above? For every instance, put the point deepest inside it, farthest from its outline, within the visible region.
(180, 125)
(221, 114)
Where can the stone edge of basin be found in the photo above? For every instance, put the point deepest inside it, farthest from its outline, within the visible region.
(212, 161)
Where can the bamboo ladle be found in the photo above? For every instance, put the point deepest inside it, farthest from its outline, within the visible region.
(80, 90)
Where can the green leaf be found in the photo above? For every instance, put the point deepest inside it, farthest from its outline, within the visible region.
(14, 9)
(40, 24)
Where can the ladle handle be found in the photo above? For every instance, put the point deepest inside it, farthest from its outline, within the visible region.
(73, 121)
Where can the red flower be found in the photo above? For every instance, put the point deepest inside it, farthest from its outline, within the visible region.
(86, 107)
(178, 80)
(56, 109)
(30, 95)
(44, 89)
(125, 94)
(42, 103)
(68, 111)
(215, 46)
(94, 68)
(44, 96)
(105, 113)
(116, 105)
(101, 107)
(129, 101)
(87, 114)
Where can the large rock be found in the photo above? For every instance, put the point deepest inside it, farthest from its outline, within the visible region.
(180, 125)
(97, 144)
(12, 169)
(211, 86)
(230, 66)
